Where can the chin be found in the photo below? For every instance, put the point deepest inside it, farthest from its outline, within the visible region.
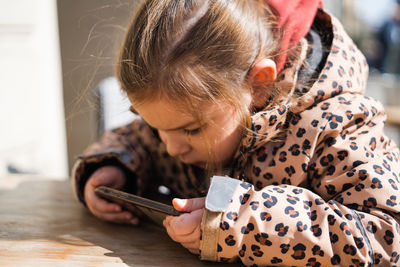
(199, 164)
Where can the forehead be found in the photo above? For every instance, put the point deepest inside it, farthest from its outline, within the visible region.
(164, 114)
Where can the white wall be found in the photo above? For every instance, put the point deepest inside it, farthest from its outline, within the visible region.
(32, 136)
(334, 7)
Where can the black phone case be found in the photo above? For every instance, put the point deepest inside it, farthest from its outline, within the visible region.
(156, 211)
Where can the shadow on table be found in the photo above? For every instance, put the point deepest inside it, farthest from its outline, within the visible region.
(45, 216)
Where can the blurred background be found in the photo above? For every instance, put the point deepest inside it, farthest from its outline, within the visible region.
(57, 61)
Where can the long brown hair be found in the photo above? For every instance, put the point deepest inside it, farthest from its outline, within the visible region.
(194, 50)
(191, 51)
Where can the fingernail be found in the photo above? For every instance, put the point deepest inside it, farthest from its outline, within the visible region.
(165, 223)
(180, 202)
(94, 182)
(134, 221)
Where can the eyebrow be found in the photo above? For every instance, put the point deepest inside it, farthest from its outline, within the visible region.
(180, 127)
(131, 109)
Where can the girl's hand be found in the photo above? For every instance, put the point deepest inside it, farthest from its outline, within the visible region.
(185, 228)
(114, 177)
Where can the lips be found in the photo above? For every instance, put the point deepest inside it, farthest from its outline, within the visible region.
(195, 163)
(198, 164)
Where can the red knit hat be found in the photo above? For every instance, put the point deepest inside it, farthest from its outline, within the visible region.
(295, 17)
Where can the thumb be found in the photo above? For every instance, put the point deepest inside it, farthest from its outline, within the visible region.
(188, 205)
(108, 176)
(95, 182)
(101, 180)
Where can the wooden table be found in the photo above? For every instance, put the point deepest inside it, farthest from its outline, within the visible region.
(393, 115)
(41, 224)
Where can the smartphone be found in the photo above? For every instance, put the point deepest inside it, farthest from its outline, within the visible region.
(155, 210)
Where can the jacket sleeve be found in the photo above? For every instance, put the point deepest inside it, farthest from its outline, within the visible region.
(346, 216)
(130, 147)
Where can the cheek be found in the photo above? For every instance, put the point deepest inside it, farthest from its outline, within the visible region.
(198, 143)
(230, 143)
(226, 141)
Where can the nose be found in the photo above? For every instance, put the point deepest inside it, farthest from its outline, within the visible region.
(176, 145)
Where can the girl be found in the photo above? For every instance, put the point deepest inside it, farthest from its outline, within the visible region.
(231, 87)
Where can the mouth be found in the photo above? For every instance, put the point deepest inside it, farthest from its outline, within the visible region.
(199, 164)
(195, 163)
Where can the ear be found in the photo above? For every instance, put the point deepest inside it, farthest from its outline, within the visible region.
(262, 74)
(262, 71)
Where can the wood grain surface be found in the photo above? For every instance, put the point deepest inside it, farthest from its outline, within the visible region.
(41, 224)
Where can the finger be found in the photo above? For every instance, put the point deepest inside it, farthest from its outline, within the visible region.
(99, 180)
(104, 206)
(109, 211)
(109, 176)
(169, 229)
(95, 181)
(188, 204)
(195, 251)
(187, 223)
(189, 236)
(120, 217)
(116, 216)
(193, 237)
(191, 245)
(97, 203)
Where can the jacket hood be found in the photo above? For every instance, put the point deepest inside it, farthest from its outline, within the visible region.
(348, 75)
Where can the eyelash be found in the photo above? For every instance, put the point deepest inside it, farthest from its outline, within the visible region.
(192, 132)
(131, 109)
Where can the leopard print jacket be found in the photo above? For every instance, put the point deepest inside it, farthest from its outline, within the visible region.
(318, 177)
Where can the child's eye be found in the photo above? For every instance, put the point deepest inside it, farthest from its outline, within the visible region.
(131, 109)
(192, 131)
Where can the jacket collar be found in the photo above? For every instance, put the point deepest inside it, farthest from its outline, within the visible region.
(269, 124)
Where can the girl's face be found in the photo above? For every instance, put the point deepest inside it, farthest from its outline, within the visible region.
(219, 132)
